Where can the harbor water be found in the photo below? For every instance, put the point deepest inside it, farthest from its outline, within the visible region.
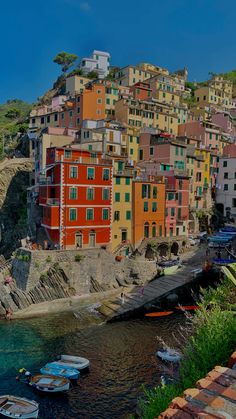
(122, 357)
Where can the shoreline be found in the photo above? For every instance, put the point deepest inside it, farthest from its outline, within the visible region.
(74, 303)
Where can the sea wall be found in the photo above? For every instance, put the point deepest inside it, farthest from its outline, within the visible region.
(47, 275)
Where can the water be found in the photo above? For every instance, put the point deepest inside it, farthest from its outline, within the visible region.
(122, 357)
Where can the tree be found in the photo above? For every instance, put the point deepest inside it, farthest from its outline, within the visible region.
(92, 75)
(12, 113)
(65, 60)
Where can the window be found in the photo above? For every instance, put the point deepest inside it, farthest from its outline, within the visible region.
(116, 215)
(105, 194)
(99, 91)
(99, 101)
(127, 181)
(106, 174)
(89, 214)
(67, 154)
(78, 110)
(151, 151)
(140, 154)
(73, 214)
(128, 215)
(181, 151)
(160, 231)
(179, 213)
(90, 194)
(70, 114)
(172, 212)
(73, 172)
(131, 151)
(180, 198)
(163, 94)
(137, 140)
(234, 202)
(127, 197)
(146, 191)
(234, 175)
(166, 212)
(176, 150)
(154, 207)
(234, 187)
(154, 192)
(117, 180)
(117, 197)
(42, 120)
(105, 214)
(56, 117)
(90, 147)
(107, 101)
(226, 187)
(226, 175)
(90, 173)
(73, 193)
(130, 138)
(225, 163)
(78, 98)
(145, 206)
(78, 121)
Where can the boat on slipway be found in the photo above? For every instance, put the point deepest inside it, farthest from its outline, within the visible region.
(18, 407)
(70, 361)
(169, 267)
(59, 371)
(49, 383)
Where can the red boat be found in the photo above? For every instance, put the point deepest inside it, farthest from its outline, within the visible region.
(187, 308)
(159, 314)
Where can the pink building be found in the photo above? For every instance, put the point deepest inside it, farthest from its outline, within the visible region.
(208, 133)
(225, 121)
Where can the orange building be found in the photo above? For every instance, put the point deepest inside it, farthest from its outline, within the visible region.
(89, 104)
(148, 209)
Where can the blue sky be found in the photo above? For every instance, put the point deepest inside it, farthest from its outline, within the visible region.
(198, 34)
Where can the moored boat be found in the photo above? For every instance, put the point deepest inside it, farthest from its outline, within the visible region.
(18, 407)
(159, 314)
(70, 361)
(59, 371)
(49, 383)
(169, 267)
(169, 355)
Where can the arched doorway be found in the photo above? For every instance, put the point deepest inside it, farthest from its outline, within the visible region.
(146, 230)
(78, 240)
(220, 208)
(163, 249)
(174, 248)
(154, 229)
(92, 239)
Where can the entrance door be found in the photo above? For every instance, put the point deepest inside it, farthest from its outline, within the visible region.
(79, 240)
(92, 239)
(123, 235)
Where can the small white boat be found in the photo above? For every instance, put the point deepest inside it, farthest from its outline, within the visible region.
(69, 361)
(18, 407)
(169, 355)
(49, 383)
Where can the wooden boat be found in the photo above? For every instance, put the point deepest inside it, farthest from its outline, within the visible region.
(59, 371)
(169, 355)
(159, 314)
(18, 407)
(187, 308)
(69, 361)
(49, 383)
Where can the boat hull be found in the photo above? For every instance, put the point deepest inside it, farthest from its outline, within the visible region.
(49, 383)
(27, 409)
(59, 371)
(170, 270)
(75, 362)
(166, 356)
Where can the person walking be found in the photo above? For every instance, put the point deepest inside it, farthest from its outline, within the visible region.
(207, 252)
(142, 291)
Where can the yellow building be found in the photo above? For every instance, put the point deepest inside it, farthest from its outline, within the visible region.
(111, 95)
(130, 75)
(212, 96)
(152, 114)
(76, 84)
(164, 89)
(122, 206)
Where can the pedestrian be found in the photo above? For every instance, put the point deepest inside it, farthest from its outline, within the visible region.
(122, 296)
(207, 251)
(142, 291)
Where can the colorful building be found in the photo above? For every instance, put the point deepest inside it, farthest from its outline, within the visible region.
(76, 196)
(148, 210)
(122, 206)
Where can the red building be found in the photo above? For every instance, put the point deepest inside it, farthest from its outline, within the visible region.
(141, 91)
(75, 195)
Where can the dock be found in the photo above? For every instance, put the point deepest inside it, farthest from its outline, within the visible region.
(136, 298)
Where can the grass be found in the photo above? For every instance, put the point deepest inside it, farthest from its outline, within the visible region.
(211, 343)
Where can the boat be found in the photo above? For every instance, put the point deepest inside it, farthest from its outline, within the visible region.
(159, 314)
(69, 361)
(169, 267)
(59, 371)
(49, 383)
(229, 229)
(169, 355)
(187, 308)
(18, 407)
(223, 262)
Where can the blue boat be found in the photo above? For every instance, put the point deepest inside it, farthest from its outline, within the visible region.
(229, 229)
(223, 262)
(219, 239)
(59, 371)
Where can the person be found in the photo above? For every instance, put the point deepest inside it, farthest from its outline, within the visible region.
(207, 252)
(122, 296)
(142, 291)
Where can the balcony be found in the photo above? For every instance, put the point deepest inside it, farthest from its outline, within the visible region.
(123, 172)
(53, 202)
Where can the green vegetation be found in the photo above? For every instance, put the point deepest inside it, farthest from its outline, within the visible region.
(211, 343)
(65, 60)
(79, 258)
(13, 122)
(92, 75)
(48, 259)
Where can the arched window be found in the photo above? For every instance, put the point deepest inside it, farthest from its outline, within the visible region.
(146, 230)
(154, 229)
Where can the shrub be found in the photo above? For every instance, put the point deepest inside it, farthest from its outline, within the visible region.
(211, 343)
(79, 258)
(48, 259)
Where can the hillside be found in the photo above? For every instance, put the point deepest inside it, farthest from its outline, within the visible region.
(13, 120)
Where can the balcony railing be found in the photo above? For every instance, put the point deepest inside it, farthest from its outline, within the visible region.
(52, 202)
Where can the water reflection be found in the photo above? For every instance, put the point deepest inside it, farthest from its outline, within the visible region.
(122, 357)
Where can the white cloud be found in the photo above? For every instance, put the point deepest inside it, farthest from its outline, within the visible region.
(85, 6)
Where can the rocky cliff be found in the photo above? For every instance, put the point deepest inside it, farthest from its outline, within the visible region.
(14, 180)
(48, 275)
